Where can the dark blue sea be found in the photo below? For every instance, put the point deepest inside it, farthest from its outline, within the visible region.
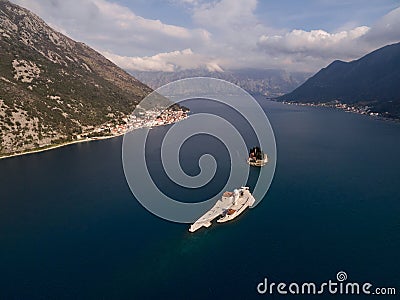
(70, 227)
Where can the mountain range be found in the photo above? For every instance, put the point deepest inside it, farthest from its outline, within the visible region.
(269, 82)
(53, 88)
(373, 81)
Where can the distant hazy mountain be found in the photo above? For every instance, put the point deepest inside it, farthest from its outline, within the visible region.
(51, 87)
(271, 83)
(372, 80)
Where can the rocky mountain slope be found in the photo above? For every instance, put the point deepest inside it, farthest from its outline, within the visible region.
(373, 81)
(53, 88)
(271, 83)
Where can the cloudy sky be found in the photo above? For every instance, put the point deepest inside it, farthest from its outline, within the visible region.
(169, 35)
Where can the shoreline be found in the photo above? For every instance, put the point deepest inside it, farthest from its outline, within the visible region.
(52, 147)
(352, 111)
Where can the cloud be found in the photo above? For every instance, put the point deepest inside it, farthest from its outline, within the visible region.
(310, 50)
(167, 62)
(223, 34)
(315, 43)
(226, 15)
(105, 25)
(386, 30)
(235, 30)
(124, 19)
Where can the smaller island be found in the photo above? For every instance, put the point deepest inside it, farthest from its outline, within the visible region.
(257, 158)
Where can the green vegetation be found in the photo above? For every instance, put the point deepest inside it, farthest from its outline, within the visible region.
(66, 97)
(372, 80)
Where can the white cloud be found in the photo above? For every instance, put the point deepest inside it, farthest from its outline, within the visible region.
(316, 43)
(310, 50)
(105, 25)
(167, 62)
(386, 30)
(226, 15)
(225, 34)
(121, 17)
(235, 30)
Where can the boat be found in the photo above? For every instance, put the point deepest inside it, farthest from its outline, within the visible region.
(257, 157)
(231, 205)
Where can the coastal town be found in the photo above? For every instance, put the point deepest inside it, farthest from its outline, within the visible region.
(140, 119)
(353, 108)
